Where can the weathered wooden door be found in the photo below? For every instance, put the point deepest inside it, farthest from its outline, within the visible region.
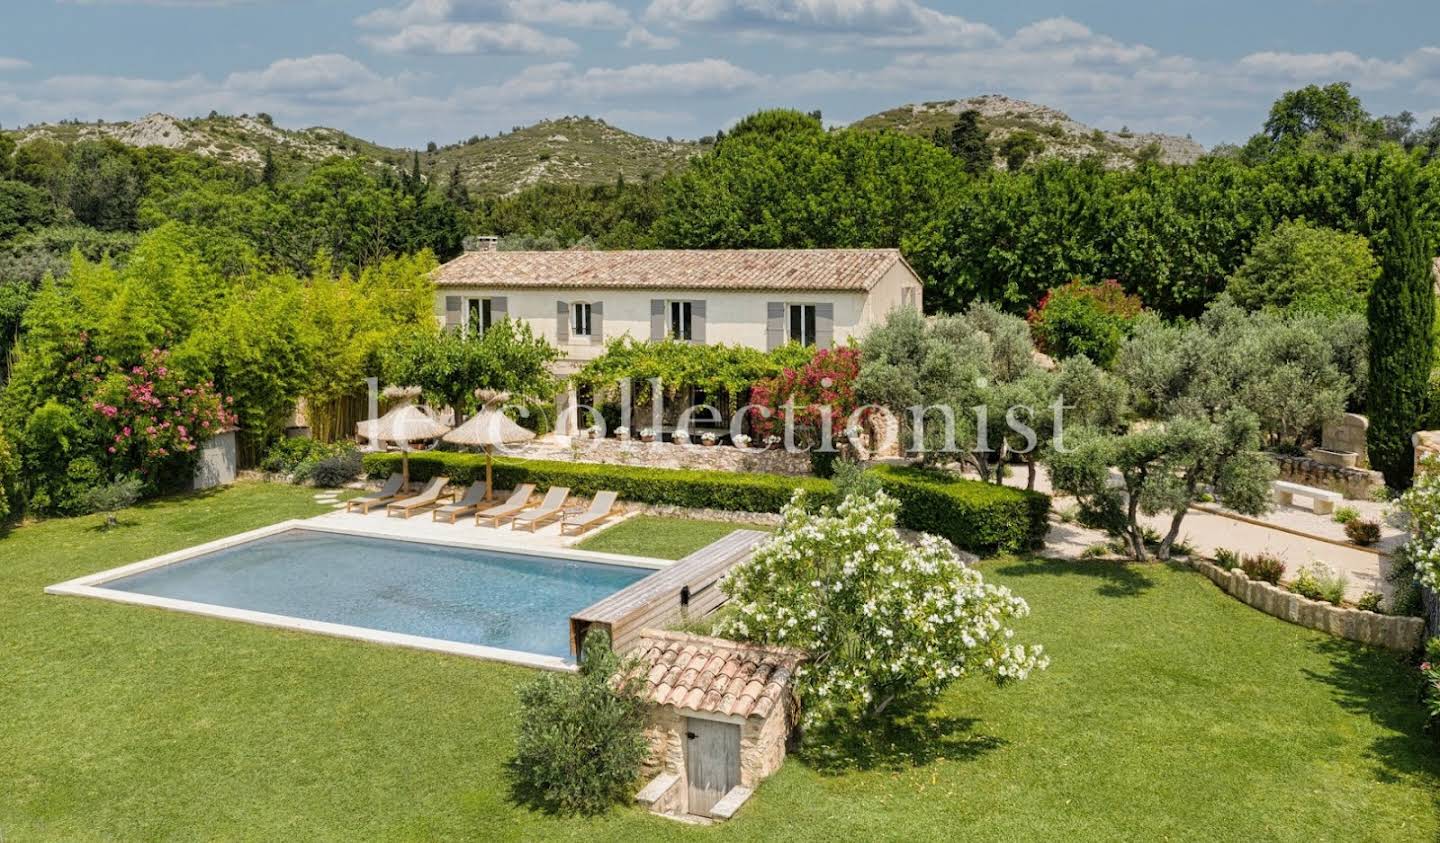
(712, 762)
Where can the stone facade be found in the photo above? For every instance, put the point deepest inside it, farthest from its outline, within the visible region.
(1354, 483)
(665, 455)
(1404, 634)
(763, 743)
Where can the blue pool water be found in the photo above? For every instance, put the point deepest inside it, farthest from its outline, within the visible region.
(456, 594)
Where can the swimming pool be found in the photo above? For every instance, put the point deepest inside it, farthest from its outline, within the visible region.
(514, 606)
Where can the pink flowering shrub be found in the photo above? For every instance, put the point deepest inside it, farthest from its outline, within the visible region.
(152, 420)
(823, 391)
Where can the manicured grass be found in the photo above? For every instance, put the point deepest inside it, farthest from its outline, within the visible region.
(1170, 712)
(661, 538)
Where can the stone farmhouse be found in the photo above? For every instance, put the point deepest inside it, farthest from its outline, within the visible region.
(761, 298)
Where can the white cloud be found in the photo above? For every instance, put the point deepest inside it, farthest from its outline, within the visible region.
(640, 37)
(563, 83)
(470, 39)
(8, 63)
(582, 14)
(825, 23)
(470, 27)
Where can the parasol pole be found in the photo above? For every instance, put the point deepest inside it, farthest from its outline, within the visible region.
(489, 475)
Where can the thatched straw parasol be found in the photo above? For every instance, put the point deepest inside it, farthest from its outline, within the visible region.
(402, 425)
(486, 429)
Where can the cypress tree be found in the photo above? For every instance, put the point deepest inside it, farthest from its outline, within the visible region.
(271, 173)
(1401, 317)
(970, 142)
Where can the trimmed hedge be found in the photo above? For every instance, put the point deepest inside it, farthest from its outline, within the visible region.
(978, 517)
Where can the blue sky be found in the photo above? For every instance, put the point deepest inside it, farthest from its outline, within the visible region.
(405, 72)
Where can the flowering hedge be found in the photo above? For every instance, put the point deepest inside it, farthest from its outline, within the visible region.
(883, 620)
(153, 420)
(823, 391)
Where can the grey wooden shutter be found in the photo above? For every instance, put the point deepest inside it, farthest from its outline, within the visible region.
(657, 319)
(774, 325)
(562, 322)
(499, 306)
(454, 311)
(597, 323)
(824, 325)
(697, 322)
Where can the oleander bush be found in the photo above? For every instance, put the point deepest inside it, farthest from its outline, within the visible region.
(978, 517)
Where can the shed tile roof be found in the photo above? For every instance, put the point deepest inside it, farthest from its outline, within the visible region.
(713, 675)
(739, 269)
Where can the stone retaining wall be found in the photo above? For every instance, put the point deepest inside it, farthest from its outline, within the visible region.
(666, 455)
(1354, 483)
(1395, 633)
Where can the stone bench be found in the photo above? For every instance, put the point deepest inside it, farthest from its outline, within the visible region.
(1322, 501)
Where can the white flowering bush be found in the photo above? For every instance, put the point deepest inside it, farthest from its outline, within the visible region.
(882, 619)
(1421, 508)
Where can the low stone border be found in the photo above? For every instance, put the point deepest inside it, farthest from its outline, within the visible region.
(1395, 633)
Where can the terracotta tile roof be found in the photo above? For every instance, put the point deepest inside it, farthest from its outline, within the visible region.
(713, 675)
(740, 269)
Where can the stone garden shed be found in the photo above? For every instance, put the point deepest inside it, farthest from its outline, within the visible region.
(720, 715)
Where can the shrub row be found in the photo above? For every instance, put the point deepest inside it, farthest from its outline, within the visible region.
(977, 517)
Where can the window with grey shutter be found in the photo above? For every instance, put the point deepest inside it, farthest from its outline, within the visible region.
(499, 309)
(597, 322)
(697, 321)
(657, 319)
(774, 325)
(453, 312)
(562, 322)
(825, 324)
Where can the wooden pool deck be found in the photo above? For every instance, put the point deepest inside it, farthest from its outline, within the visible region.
(688, 588)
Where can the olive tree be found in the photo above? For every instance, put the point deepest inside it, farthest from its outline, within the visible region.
(951, 381)
(1163, 469)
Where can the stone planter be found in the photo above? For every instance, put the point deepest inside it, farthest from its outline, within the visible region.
(1339, 459)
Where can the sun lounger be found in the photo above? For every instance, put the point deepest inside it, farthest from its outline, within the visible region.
(389, 492)
(601, 508)
(429, 497)
(469, 502)
(548, 510)
(513, 504)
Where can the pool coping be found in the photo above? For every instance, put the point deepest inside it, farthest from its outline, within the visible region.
(92, 586)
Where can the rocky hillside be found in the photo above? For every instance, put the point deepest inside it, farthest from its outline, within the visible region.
(1060, 135)
(570, 150)
(583, 150)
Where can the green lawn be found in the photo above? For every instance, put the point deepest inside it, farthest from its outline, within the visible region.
(1170, 712)
(661, 538)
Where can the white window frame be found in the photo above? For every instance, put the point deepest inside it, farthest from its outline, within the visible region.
(680, 311)
(577, 310)
(813, 310)
(484, 310)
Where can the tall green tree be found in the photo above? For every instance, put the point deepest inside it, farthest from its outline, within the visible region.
(969, 142)
(1402, 317)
